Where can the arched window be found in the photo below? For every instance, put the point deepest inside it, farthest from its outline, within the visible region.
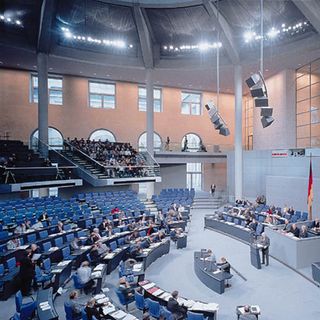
(55, 139)
(143, 142)
(102, 135)
(193, 142)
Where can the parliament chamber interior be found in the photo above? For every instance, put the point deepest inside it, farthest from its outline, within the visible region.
(159, 159)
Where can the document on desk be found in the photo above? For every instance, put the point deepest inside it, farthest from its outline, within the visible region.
(63, 263)
(23, 247)
(109, 256)
(85, 248)
(118, 314)
(103, 300)
(165, 296)
(217, 271)
(189, 303)
(137, 267)
(99, 267)
(158, 292)
(108, 309)
(96, 274)
(210, 307)
(130, 317)
(148, 286)
(182, 301)
(53, 249)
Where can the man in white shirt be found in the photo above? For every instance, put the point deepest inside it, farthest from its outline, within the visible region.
(84, 275)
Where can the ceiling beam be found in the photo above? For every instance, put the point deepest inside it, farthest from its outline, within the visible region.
(226, 32)
(310, 9)
(48, 9)
(144, 37)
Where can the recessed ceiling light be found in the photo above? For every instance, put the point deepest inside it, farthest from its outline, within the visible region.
(50, 68)
(267, 70)
(108, 75)
(80, 71)
(94, 74)
(18, 64)
(34, 66)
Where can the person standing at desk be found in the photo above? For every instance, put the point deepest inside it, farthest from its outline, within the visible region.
(224, 265)
(26, 272)
(264, 241)
(211, 258)
(173, 306)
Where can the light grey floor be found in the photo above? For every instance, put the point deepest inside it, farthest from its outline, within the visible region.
(280, 292)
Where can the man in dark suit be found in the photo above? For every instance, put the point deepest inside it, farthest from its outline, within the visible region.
(173, 306)
(294, 230)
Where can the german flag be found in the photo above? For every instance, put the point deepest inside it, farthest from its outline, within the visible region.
(310, 191)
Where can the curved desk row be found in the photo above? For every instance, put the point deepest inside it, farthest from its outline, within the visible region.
(151, 290)
(209, 273)
(45, 305)
(155, 251)
(234, 230)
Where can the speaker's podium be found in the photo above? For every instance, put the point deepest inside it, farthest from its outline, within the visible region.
(255, 255)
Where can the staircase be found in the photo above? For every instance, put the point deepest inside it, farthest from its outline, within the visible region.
(150, 205)
(204, 200)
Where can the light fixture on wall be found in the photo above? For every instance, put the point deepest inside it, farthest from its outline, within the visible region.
(258, 87)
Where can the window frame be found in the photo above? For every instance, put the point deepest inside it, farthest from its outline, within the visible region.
(32, 88)
(103, 95)
(190, 103)
(141, 97)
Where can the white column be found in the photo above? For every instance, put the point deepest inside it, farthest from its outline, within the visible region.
(150, 123)
(238, 132)
(43, 101)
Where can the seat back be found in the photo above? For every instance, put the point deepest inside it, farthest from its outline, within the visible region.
(58, 242)
(18, 300)
(76, 281)
(31, 238)
(66, 252)
(194, 316)
(113, 245)
(154, 308)
(43, 234)
(70, 237)
(11, 263)
(139, 300)
(47, 264)
(121, 297)
(167, 314)
(83, 314)
(1, 270)
(68, 311)
(38, 273)
(46, 246)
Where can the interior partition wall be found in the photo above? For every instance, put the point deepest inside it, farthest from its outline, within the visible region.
(308, 105)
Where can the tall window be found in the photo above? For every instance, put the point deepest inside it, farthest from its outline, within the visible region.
(249, 123)
(194, 176)
(143, 142)
(308, 105)
(102, 135)
(102, 95)
(193, 142)
(191, 103)
(55, 139)
(54, 90)
(157, 103)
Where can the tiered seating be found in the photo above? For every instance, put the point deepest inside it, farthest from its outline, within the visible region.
(167, 197)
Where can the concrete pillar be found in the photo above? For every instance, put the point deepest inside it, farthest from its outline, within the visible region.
(150, 123)
(238, 132)
(43, 101)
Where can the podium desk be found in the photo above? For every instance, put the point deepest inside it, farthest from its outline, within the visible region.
(255, 256)
(181, 241)
(316, 271)
(209, 274)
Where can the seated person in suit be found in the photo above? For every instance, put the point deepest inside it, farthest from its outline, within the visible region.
(21, 228)
(84, 274)
(102, 248)
(294, 230)
(316, 224)
(38, 225)
(13, 244)
(179, 312)
(303, 231)
(286, 227)
(34, 250)
(74, 305)
(93, 311)
(94, 254)
(43, 216)
(125, 288)
(224, 265)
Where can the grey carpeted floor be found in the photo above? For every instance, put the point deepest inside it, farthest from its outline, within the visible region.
(280, 292)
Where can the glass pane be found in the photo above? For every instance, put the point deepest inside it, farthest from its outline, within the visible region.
(315, 116)
(54, 83)
(34, 81)
(55, 97)
(315, 103)
(142, 92)
(102, 135)
(303, 70)
(303, 106)
(303, 81)
(315, 141)
(143, 142)
(95, 101)
(315, 76)
(157, 105)
(303, 119)
(55, 138)
(195, 109)
(193, 167)
(303, 94)
(156, 94)
(315, 130)
(185, 108)
(196, 181)
(315, 65)
(105, 88)
(142, 104)
(35, 95)
(303, 132)
(315, 90)
(303, 143)
(108, 102)
(189, 182)
(190, 97)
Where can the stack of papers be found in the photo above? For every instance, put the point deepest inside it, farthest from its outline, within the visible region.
(108, 309)
(85, 248)
(53, 249)
(189, 303)
(23, 247)
(158, 292)
(63, 263)
(118, 314)
(137, 267)
(148, 286)
(216, 272)
(130, 317)
(165, 296)
(109, 256)
(99, 296)
(99, 267)
(199, 306)
(96, 274)
(103, 300)
(44, 306)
